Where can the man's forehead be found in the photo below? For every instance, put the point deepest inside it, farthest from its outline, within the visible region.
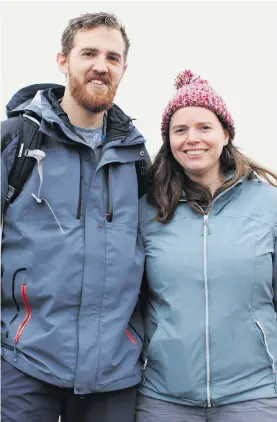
(100, 38)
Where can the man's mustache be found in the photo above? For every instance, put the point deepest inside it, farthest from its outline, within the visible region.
(105, 79)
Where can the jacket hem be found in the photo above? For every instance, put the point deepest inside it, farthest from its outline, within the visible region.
(26, 367)
(120, 384)
(267, 392)
(164, 397)
(23, 365)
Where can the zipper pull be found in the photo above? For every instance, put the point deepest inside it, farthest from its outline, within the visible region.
(206, 223)
(143, 371)
(14, 353)
(144, 365)
(108, 217)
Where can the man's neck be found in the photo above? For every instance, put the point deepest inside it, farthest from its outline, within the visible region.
(78, 116)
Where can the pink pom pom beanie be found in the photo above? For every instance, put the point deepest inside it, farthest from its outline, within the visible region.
(196, 92)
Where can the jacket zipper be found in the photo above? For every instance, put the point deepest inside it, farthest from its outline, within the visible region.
(267, 348)
(14, 299)
(129, 335)
(109, 185)
(206, 229)
(27, 315)
(137, 333)
(146, 348)
(207, 338)
(78, 216)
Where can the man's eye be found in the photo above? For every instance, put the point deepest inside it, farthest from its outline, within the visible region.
(89, 54)
(113, 58)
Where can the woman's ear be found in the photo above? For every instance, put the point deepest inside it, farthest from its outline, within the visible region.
(226, 137)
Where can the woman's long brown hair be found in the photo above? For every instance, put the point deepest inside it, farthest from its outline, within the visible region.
(167, 180)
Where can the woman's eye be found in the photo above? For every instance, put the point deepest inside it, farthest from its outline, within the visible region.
(205, 127)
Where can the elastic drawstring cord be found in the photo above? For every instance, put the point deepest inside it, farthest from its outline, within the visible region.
(39, 201)
(39, 156)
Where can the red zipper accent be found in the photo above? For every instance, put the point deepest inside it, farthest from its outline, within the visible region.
(129, 335)
(27, 316)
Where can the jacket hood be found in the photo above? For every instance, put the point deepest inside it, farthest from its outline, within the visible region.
(28, 97)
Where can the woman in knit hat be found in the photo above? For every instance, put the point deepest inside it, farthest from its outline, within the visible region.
(209, 226)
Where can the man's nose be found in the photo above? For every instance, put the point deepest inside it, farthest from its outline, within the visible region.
(100, 64)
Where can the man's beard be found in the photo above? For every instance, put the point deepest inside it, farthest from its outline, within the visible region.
(94, 100)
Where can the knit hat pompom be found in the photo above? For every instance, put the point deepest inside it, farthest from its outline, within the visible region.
(187, 78)
(192, 91)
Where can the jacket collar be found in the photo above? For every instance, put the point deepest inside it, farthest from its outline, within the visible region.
(117, 125)
(221, 200)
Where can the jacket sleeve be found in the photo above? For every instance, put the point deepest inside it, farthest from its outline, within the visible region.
(4, 182)
(9, 138)
(275, 275)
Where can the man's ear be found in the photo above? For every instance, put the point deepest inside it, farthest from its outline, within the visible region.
(124, 70)
(62, 61)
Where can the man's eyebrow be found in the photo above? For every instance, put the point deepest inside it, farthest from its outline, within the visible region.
(88, 49)
(114, 53)
(95, 50)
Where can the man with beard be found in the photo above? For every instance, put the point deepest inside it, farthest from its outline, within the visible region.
(72, 256)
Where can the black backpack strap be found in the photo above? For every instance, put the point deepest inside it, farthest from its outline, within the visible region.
(142, 171)
(29, 138)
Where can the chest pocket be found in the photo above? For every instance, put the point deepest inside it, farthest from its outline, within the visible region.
(123, 194)
(53, 189)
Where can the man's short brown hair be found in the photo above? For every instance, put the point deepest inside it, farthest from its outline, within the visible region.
(90, 21)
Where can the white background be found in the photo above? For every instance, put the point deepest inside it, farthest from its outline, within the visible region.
(233, 45)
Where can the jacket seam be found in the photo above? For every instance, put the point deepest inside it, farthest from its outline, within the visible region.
(224, 216)
(83, 269)
(101, 306)
(250, 218)
(254, 281)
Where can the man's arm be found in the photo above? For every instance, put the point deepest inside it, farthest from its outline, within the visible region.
(9, 138)
(4, 182)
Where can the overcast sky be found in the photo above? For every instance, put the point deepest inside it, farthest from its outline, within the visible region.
(233, 45)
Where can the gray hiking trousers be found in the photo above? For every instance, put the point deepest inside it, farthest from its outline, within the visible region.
(152, 410)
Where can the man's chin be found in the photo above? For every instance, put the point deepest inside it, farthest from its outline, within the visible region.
(93, 100)
(98, 103)
(99, 108)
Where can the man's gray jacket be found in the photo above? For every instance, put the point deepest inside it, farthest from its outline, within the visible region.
(71, 277)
